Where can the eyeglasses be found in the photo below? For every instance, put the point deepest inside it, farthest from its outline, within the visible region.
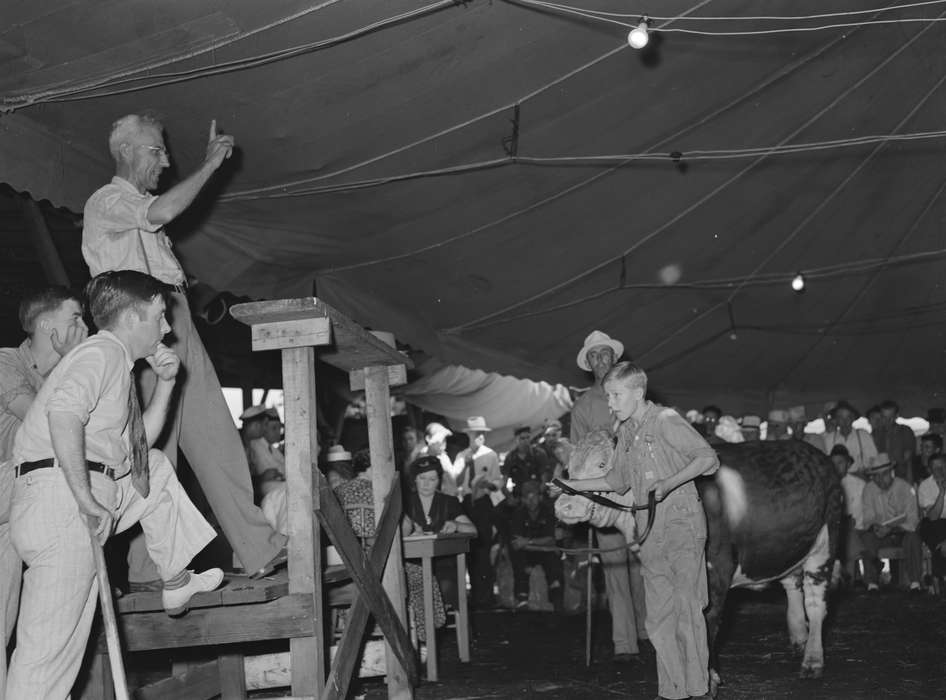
(157, 150)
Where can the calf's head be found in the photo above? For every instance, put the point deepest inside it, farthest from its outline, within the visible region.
(589, 459)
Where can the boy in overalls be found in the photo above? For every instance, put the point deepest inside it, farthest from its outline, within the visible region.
(657, 450)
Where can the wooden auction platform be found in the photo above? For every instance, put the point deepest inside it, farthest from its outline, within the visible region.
(290, 606)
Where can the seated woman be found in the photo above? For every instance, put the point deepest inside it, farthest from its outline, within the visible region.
(356, 497)
(429, 510)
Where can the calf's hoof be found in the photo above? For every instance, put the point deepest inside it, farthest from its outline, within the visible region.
(811, 671)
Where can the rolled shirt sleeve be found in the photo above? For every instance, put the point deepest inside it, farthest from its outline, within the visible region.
(80, 389)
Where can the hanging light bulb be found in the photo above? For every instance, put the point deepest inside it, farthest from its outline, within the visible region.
(639, 35)
(798, 282)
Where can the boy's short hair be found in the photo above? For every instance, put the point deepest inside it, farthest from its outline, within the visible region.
(629, 373)
(40, 302)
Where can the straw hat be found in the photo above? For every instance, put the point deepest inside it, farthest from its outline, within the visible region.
(597, 339)
(476, 424)
(337, 453)
(253, 412)
(878, 463)
(751, 421)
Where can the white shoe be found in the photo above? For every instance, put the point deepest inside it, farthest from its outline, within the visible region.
(175, 601)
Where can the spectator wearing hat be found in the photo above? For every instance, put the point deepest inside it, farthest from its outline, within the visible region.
(532, 527)
(478, 465)
(751, 426)
(622, 574)
(525, 462)
(798, 421)
(891, 519)
(777, 426)
(435, 439)
(429, 510)
(859, 443)
(896, 439)
(598, 355)
(338, 466)
(852, 484)
(551, 444)
(931, 444)
(931, 498)
(479, 478)
(267, 464)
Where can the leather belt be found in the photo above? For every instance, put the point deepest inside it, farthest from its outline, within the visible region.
(28, 467)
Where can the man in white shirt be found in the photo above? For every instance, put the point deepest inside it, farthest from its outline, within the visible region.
(890, 520)
(859, 443)
(479, 484)
(83, 470)
(931, 497)
(124, 229)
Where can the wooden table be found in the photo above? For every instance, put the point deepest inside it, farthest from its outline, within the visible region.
(426, 548)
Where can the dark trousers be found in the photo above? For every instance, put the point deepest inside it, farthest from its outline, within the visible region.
(522, 559)
(482, 575)
(933, 532)
(911, 543)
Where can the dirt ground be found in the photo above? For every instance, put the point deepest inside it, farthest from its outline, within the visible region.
(887, 645)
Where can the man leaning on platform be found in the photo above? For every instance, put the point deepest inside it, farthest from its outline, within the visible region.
(84, 469)
(124, 229)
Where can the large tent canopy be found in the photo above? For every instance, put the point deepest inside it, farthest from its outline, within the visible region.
(491, 180)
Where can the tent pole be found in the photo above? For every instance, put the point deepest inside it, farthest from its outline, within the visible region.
(43, 243)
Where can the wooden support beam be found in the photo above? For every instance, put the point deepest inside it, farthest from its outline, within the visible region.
(308, 655)
(336, 688)
(381, 444)
(367, 577)
(43, 243)
(288, 617)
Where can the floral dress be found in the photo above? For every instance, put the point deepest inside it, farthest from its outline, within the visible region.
(357, 499)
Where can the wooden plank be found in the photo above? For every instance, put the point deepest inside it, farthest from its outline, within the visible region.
(366, 575)
(200, 682)
(462, 614)
(305, 550)
(232, 676)
(301, 332)
(342, 666)
(353, 348)
(237, 590)
(288, 617)
(397, 375)
(400, 678)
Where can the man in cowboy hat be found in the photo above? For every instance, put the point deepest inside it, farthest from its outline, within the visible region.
(891, 519)
(622, 575)
(797, 421)
(777, 425)
(480, 476)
